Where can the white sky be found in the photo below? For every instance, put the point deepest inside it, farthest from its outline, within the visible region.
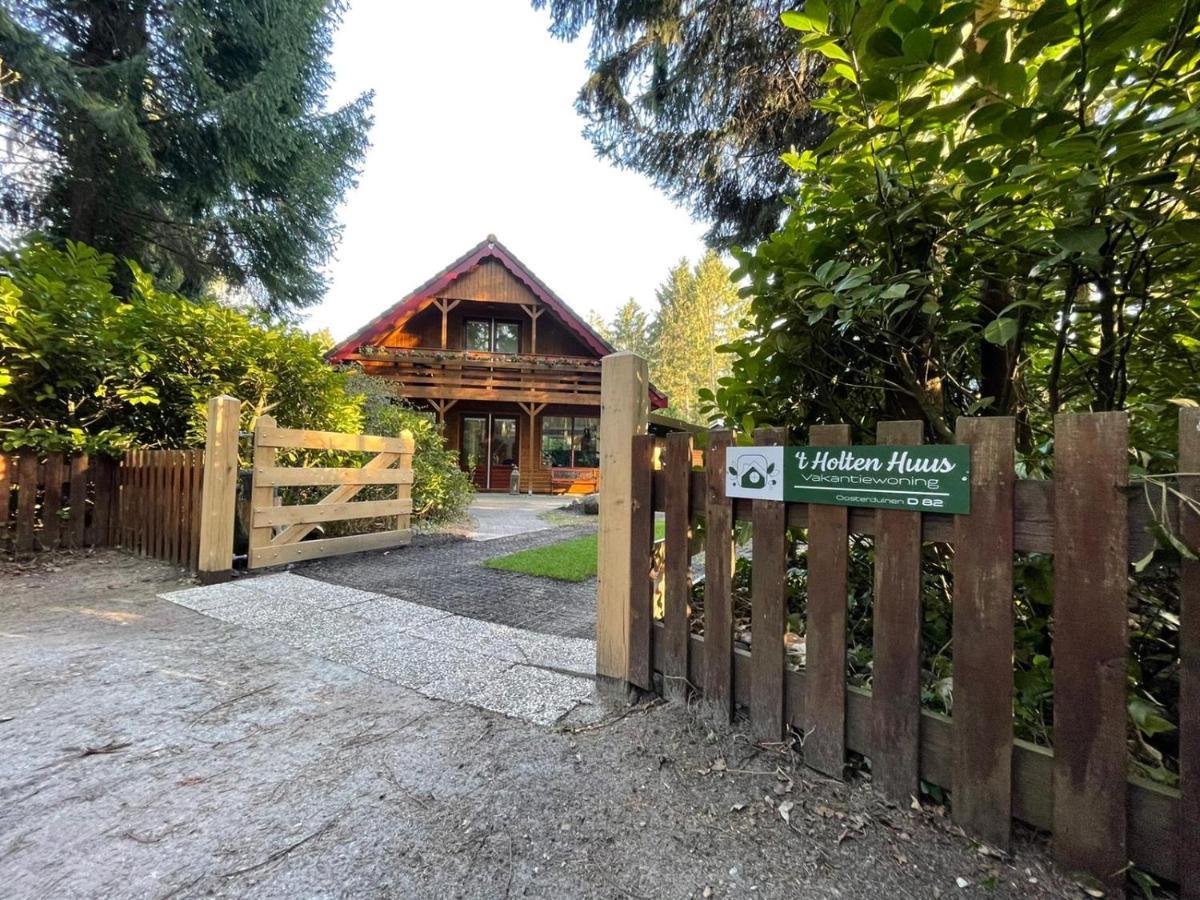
(476, 133)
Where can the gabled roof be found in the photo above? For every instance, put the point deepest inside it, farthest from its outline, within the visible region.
(490, 248)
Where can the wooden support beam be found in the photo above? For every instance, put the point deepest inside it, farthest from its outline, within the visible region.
(218, 490)
(445, 306)
(534, 312)
(624, 406)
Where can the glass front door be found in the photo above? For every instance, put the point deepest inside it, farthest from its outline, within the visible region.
(490, 449)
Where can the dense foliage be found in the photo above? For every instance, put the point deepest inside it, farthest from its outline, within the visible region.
(1003, 220)
(698, 310)
(441, 489)
(189, 136)
(699, 97)
(83, 368)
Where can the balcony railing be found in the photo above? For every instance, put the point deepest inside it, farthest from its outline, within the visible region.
(474, 375)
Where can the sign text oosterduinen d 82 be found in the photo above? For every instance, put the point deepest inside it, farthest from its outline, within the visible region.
(919, 478)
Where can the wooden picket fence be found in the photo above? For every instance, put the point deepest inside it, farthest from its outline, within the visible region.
(148, 503)
(159, 504)
(1101, 818)
(55, 500)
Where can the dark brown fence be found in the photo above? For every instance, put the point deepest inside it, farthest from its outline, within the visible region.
(56, 500)
(160, 504)
(149, 502)
(1087, 517)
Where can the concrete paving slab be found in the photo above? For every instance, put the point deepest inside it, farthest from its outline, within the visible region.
(523, 692)
(486, 637)
(288, 586)
(525, 674)
(495, 516)
(381, 610)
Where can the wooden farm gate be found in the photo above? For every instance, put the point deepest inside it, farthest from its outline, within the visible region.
(278, 532)
(1088, 518)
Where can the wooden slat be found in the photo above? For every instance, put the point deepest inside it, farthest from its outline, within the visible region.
(355, 543)
(217, 490)
(157, 495)
(768, 608)
(142, 477)
(677, 463)
(345, 492)
(983, 635)
(7, 470)
(717, 683)
(52, 478)
(896, 669)
(262, 495)
(641, 562)
(329, 512)
(1189, 658)
(825, 642)
(27, 482)
(1091, 571)
(170, 496)
(78, 499)
(198, 474)
(1153, 808)
(330, 440)
(283, 476)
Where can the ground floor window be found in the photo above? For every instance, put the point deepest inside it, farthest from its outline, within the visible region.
(571, 441)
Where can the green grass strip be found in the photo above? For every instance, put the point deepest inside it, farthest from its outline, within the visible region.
(573, 560)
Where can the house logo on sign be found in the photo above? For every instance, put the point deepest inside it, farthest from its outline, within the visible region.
(755, 473)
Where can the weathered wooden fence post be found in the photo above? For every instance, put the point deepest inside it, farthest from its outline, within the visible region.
(219, 491)
(624, 408)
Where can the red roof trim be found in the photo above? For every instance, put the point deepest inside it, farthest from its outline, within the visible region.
(487, 249)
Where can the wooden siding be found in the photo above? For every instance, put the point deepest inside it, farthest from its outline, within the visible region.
(488, 291)
(490, 280)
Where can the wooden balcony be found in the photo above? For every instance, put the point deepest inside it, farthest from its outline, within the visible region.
(473, 375)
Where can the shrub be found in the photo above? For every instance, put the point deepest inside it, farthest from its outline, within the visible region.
(82, 368)
(441, 490)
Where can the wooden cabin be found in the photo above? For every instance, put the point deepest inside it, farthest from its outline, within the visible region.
(511, 371)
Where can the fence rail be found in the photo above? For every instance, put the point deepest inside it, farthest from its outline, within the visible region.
(1087, 518)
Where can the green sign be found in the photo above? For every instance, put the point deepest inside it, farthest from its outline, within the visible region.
(916, 479)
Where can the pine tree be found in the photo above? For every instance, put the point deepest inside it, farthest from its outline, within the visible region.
(632, 329)
(190, 136)
(699, 310)
(701, 98)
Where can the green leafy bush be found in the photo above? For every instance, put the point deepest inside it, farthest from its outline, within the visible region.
(441, 490)
(83, 368)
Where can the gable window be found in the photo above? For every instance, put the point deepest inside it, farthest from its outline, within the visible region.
(492, 336)
(571, 442)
